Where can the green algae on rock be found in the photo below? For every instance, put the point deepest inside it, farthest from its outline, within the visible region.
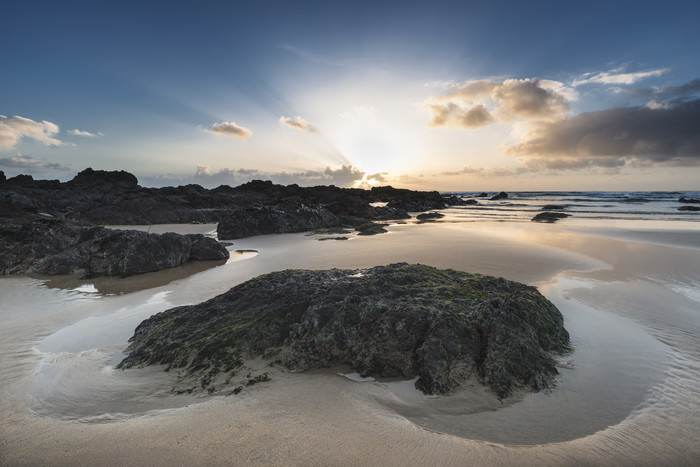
(443, 326)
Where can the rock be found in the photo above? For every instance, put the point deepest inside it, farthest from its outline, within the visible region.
(401, 320)
(689, 208)
(553, 207)
(2, 177)
(105, 180)
(277, 219)
(429, 216)
(549, 217)
(457, 201)
(501, 195)
(49, 246)
(371, 228)
(483, 194)
(114, 197)
(683, 199)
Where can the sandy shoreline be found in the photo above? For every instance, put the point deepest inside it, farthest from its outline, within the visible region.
(633, 290)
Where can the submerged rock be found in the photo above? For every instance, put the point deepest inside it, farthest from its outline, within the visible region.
(501, 195)
(442, 326)
(689, 208)
(550, 217)
(429, 216)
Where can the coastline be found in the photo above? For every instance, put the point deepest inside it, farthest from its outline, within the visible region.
(310, 419)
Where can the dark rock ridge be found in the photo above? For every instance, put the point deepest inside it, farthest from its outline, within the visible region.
(442, 326)
(501, 195)
(429, 216)
(114, 197)
(689, 208)
(51, 246)
(550, 217)
(275, 219)
(683, 199)
(553, 207)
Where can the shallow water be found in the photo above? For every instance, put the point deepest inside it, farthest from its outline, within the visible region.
(633, 363)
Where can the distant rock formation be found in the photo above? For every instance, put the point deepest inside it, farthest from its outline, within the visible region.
(401, 320)
(114, 197)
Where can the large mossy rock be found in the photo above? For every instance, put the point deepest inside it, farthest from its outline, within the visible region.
(443, 326)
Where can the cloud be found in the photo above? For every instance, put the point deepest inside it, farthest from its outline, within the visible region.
(231, 129)
(638, 136)
(473, 104)
(13, 129)
(344, 176)
(488, 172)
(85, 134)
(452, 114)
(617, 76)
(297, 123)
(21, 162)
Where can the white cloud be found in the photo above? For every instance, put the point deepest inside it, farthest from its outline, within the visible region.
(474, 104)
(344, 176)
(617, 76)
(297, 123)
(231, 129)
(13, 129)
(85, 134)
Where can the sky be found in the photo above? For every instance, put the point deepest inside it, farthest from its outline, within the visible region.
(450, 96)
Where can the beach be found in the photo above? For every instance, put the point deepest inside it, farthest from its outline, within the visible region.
(629, 394)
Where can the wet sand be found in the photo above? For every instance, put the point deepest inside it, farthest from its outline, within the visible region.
(629, 396)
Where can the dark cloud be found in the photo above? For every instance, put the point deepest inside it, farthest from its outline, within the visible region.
(27, 163)
(231, 129)
(632, 136)
(488, 172)
(669, 93)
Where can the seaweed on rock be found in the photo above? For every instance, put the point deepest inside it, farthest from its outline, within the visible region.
(443, 326)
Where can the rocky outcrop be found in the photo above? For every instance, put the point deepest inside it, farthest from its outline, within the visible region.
(549, 217)
(114, 197)
(689, 208)
(442, 326)
(274, 219)
(501, 195)
(51, 247)
(683, 199)
(553, 207)
(427, 216)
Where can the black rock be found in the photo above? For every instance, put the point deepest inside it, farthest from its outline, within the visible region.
(549, 217)
(689, 208)
(442, 326)
(553, 207)
(429, 216)
(51, 246)
(683, 199)
(371, 228)
(501, 195)
(277, 219)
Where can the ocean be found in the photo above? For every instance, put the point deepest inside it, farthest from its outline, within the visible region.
(521, 206)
